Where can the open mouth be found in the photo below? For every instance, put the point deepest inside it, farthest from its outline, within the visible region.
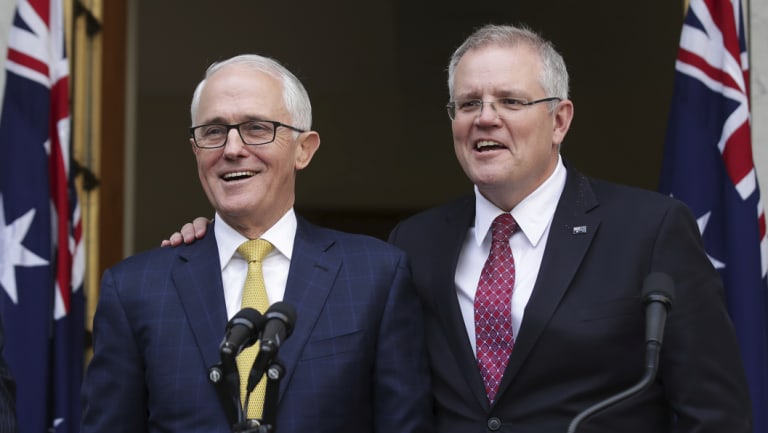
(237, 175)
(486, 145)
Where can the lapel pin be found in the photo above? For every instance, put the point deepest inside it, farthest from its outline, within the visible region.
(579, 229)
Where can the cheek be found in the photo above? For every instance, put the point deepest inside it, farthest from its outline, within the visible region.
(205, 165)
(458, 130)
(460, 134)
(526, 135)
(459, 149)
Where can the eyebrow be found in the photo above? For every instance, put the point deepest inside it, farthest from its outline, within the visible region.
(495, 94)
(218, 120)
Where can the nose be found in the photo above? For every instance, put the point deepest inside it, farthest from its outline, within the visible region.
(487, 116)
(234, 142)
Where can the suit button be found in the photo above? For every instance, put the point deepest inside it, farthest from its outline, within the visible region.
(494, 424)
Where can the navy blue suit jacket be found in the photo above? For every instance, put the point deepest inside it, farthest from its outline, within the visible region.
(356, 361)
(582, 335)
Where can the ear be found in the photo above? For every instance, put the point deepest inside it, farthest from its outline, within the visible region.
(562, 121)
(192, 143)
(308, 143)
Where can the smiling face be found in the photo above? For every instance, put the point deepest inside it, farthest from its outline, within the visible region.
(507, 158)
(251, 187)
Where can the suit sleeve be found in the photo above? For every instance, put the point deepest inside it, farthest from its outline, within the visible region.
(701, 369)
(402, 395)
(114, 394)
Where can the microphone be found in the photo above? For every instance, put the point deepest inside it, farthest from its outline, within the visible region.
(658, 294)
(242, 331)
(278, 325)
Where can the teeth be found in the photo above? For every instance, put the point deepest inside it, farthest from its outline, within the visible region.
(238, 174)
(486, 143)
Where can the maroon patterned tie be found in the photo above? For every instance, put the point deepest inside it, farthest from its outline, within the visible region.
(493, 306)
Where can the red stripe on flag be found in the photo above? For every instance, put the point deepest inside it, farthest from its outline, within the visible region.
(59, 179)
(714, 73)
(27, 61)
(722, 14)
(43, 9)
(737, 154)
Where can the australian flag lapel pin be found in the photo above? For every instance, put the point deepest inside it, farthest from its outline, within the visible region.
(577, 230)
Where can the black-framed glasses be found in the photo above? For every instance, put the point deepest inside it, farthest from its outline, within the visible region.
(253, 132)
(469, 108)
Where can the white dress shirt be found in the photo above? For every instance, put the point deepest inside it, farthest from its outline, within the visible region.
(534, 216)
(275, 266)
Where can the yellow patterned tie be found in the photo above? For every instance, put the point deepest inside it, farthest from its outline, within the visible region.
(254, 296)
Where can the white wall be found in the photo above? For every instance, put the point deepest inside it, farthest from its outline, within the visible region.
(758, 24)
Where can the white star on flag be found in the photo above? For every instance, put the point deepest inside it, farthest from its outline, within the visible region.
(702, 223)
(13, 253)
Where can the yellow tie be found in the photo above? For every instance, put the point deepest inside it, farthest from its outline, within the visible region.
(254, 296)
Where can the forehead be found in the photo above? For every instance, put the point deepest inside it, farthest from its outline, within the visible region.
(498, 69)
(237, 92)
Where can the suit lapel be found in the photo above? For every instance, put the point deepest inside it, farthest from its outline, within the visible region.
(570, 235)
(444, 300)
(312, 274)
(197, 278)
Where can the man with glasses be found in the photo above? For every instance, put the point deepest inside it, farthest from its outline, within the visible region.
(355, 361)
(566, 329)
(533, 286)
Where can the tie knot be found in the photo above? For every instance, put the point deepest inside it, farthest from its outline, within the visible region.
(503, 227)
(255, 250)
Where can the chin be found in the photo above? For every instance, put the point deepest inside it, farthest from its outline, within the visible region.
(489, 179)
(236, 208)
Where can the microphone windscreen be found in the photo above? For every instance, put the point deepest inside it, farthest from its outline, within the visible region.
(247, 316)
(283, 311)
(658, 286)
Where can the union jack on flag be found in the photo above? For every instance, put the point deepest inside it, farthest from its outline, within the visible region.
(708, 164)
(41, 255)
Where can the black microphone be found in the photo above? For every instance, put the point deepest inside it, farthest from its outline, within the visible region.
(658, 294)
(278, 325)
(242, 331)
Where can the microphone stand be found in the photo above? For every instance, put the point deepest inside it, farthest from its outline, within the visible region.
(226, 380)
(275, 373)
(226, 391)
(266, 424)
(652, 349)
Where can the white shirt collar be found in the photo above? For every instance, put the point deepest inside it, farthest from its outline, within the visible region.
(281, 235)
(533, 214)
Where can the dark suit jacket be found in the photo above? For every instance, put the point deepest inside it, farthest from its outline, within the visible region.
(7, 392)
(582, 336)
(356, 361)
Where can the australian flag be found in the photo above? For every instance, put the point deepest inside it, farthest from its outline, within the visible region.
(41, 259)
(708, 164)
